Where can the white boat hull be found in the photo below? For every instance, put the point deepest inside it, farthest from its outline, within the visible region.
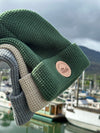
(5, 103)
(84, 125)
(84, 119)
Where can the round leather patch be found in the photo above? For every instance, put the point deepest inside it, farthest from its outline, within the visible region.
(63, 68)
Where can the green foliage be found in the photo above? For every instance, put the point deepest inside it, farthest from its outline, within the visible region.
(94, 77)
(5, 78)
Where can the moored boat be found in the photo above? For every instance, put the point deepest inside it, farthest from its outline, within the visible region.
(84, 113)
(4, 102)
(53, 111)
(85, 117)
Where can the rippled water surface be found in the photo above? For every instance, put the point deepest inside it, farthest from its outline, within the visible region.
(8, 125)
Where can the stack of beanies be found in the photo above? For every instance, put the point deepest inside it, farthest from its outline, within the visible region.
(22, 113)
(46, 63)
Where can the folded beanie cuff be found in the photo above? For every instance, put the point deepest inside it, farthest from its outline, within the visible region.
(48, 79)
(21, 110)
(33, 96)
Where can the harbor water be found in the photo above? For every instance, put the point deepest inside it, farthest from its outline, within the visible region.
(8, 125)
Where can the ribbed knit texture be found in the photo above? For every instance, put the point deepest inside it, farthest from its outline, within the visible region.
(22, 114)
(21, 110)
(42, 46)
(33, 96)
(21, 64)
(7, 56)
(28, 86)
(31, 29)
(53, 83)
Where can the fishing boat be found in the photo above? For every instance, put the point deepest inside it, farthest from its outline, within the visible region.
(84, 114)
(4, 102)
(52, 112)
(87, 117)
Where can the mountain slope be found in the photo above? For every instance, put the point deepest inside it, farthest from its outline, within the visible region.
(94, 58)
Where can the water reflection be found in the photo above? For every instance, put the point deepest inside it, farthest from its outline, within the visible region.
(44, 127)
(33, 126)
(73, 129)
(6, 116)
(8, 125)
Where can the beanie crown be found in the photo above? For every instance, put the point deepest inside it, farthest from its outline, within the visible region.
(32, 29)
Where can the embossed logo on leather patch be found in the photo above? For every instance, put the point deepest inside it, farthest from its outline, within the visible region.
(63, 68)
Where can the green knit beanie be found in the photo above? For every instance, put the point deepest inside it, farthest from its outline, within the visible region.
(53, 61)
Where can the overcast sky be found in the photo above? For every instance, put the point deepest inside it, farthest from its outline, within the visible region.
(76, 20)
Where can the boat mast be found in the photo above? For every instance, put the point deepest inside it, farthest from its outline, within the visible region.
(83, 76)
(77, 91)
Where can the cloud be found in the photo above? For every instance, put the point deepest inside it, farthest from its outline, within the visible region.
(88, 43)
(73, 19)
